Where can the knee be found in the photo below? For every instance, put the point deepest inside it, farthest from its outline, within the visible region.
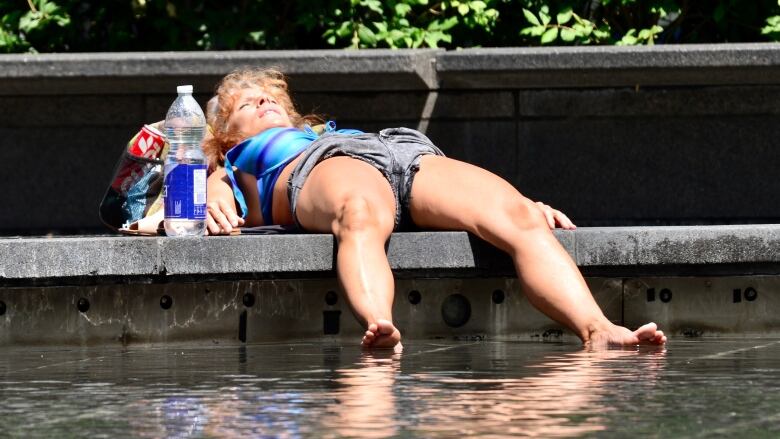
(525, 215)
(359, 215)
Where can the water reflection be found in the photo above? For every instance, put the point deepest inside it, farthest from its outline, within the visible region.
(430, 390)
(565, 396)
(364, 403)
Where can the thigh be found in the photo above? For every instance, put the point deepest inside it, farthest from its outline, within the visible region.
(449, 194)
(337, 180)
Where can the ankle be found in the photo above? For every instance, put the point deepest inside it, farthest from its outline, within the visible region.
(597, 326)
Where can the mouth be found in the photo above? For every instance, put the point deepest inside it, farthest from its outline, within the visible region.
(269, 112)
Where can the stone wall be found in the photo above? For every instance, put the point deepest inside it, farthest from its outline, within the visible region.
(611, 136)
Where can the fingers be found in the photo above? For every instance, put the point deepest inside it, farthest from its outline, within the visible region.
(555, 217)
(221, 218)
(563, 220)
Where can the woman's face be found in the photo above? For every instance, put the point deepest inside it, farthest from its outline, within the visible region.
(256, 110)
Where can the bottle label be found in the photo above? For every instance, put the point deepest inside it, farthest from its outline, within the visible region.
(184, 191)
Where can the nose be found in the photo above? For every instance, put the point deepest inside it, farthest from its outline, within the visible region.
(266, 98)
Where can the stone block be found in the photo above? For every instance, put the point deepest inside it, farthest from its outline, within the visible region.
(247, 254)
(650, 101)
(608, 66)
(650, 170)
(42, 258)
(613, 246)
(474, 105)
(366, 106)
(695, 307)
(65, 112)
(490, 144)
(55, 178)
(159, 72)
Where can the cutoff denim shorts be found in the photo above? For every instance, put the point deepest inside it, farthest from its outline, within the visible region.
(395, 152)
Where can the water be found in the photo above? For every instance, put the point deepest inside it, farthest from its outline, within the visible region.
(185, 167)
(693, 388)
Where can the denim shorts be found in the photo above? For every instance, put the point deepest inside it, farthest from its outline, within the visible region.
(395, 152)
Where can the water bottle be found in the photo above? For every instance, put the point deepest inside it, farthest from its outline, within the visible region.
(184, 188)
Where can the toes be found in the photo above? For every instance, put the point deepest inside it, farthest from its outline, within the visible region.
(646, 332)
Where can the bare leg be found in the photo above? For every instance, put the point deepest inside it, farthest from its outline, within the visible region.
(452, 195)
(352, 200)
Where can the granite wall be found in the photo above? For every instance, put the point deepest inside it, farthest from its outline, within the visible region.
(611, 136)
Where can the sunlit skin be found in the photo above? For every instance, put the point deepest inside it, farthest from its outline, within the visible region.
(352, 200)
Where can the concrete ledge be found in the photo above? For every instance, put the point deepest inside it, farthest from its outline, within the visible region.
(384, 69)
(610, 66)
(150, 72)
(30, 260)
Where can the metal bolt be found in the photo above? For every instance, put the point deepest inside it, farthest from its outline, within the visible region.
(331, 298)
(249, 300)
(498, 296)
(751, 294)
(82, 305)
(665, 295)
(166, 302)
(414, 297)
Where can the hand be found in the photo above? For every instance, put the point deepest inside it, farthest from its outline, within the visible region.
(221, 218)
(555, 217)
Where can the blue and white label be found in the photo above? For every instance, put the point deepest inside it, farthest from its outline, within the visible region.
(184, 191)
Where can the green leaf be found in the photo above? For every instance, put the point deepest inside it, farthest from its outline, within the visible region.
(477, 5)
(564, 16)
(534, 31)
(531, 17)
(366, 36)
(545, 17)
(447, 24)
(568, 35)
(401, 9)
(431, 40)
(463, 9)
(344, 30)
(374, 5)
(550, 35)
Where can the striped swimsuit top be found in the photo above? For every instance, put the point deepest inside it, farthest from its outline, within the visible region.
(265, 156)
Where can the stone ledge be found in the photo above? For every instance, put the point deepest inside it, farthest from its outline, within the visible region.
(435, 253)
(409, 69)
(610, 66)
(150, 72)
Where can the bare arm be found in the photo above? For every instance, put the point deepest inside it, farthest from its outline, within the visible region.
(221, 218)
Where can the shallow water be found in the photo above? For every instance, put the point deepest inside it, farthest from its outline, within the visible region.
(692, 388)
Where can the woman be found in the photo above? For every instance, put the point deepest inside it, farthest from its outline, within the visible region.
(361, 187)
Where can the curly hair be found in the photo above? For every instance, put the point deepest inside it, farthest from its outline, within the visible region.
(223, 136)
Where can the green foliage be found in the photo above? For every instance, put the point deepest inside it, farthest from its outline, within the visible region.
(407, 23)
(772, 27)
(135, 25)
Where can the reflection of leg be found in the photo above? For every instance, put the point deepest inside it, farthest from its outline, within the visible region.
(352, 200)
(364, 401)
(448, 194)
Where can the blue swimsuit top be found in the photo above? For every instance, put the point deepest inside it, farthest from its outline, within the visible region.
(265, 156)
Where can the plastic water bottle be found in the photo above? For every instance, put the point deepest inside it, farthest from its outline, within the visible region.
(184, 188)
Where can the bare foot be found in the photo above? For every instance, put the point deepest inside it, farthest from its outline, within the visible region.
(614, 335)
(382, 335)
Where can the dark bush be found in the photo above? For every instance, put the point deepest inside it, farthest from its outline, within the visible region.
(152, 25)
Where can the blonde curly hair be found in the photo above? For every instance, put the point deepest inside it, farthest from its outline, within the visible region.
(223, 136)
